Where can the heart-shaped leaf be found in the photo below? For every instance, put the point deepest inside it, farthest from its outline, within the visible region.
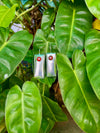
(72, 22)
(6, 15)
(94, 7)
(47, 20)
(43, 44)
(92, 49)
(52, 110)
(23, 109)
(12, 51)
(77, 93)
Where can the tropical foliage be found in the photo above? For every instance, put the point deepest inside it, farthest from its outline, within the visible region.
(58, 26)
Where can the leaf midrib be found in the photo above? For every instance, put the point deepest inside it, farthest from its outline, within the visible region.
(72, 25)
(4, 15)
(83, 94)
(5, 43)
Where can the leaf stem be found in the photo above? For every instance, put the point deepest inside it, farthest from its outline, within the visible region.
(43, 89)
(28, 10)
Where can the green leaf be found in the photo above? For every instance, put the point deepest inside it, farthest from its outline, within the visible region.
(12, 51)
(77, 93)
(53, 3)
(23, 109)
(7, 2)
(47, 20)
(47, 81)
(45, 45)
(5, 85)
(3, 96)
(92, 49)
(13, 80)
(28, 4)
(52, 110)
(94, 7)
(0, 88)
(6, 15)
(29, 56)
(46, 126)
(72, 22)
(44, 85)
(10, 3)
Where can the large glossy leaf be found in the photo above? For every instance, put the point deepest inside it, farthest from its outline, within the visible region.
(47, 125)
(6, 15)
(23, 109)
(77, 93)
(43, 44)
(3, 96)
(52, 110)
(47, 20)
(94, 7)
(92, 49)
(12, 51)
(10, 3)
(72, 22)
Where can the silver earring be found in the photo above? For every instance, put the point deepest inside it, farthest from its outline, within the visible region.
(39, 65)
(51, 64)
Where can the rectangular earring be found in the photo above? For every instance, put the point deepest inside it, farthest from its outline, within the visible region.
(51, 64)
(39, 65)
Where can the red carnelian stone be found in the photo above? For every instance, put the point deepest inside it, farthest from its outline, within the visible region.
(50, 57)
(38, 58)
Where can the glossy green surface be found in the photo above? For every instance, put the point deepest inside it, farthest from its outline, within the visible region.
(6, 15)
(77, 93)
(47, 20)
(52, 110)
(94, 7)
(44, 44)
(12, 51)
(23, 109)
(72, 22)
(46, 125)
(92, 49)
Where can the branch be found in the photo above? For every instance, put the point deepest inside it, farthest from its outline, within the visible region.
(28, 10)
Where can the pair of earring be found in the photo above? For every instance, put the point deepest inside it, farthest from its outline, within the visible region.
(39, 65)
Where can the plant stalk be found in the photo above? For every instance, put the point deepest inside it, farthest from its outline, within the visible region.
(28, 10)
